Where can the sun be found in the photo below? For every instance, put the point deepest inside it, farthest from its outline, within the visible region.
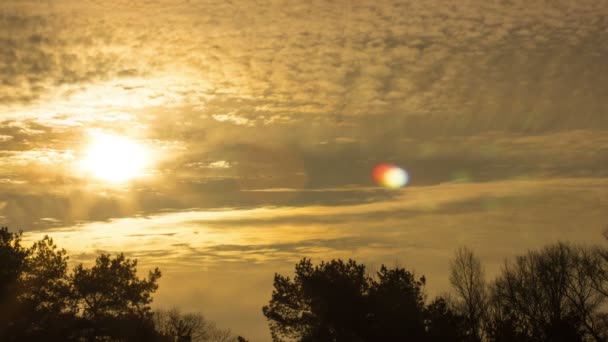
(114, 158)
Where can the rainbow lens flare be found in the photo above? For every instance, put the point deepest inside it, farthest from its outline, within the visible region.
(390, 176)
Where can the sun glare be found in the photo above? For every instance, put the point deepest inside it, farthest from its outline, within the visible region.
(114, 158)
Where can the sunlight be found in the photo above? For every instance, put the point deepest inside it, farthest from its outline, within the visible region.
(114, 158)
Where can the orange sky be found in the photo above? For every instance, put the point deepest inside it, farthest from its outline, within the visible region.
(223, 141)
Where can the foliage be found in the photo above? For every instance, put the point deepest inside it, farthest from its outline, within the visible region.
(558, 293)
(41, 301)
(12, 259)
(111, 288)
(110, 296)
(396, 306)
(322, 302)
(445, 323)
(47, 307)
(337, 301)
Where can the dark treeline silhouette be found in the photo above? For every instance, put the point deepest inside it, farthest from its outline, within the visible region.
(338, 301)
(41, 300)
(558, 293)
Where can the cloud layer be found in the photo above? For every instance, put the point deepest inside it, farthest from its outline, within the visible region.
(266, 119)
(418, 228)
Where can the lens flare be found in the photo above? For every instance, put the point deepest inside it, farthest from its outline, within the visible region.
(390, 176)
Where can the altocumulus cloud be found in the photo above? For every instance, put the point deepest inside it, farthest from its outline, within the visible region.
(268, 117)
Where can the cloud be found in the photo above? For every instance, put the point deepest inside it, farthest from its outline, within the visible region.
(363, 78)
(220, 164)
(280, 110)
(237, 120)
(225, 229)
(418, 229)
(434, 57)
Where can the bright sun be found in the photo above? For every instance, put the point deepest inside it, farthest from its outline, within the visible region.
(114, 158)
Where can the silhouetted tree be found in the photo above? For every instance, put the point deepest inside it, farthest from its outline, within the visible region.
(597, 267)
(189, 327)
(41, 301)
(12, 262)
(396, 310)
(324, 302)
(337, 301)
(587, 289)
(467, 279)
(12, 257)
(443, 323)
(47, 307)
(532, 298)
(112, 300)
(35, 303)
(559, 293)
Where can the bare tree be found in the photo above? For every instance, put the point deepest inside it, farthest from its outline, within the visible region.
(586, 289)
(467, 279)
(550, 294)
(189, 327)
(598, 268)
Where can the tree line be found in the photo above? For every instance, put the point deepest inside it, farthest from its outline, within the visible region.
(557, 293)
(42, 300)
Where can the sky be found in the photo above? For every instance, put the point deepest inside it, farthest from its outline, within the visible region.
(225, 140)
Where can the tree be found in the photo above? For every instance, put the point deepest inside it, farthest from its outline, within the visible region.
(324, 302)
(12, 258)
(45, 298)
(545, 295)
(443, 323)
(112, 300)
(598, 268)
(12, 261)
(587, 289)
(467, 279)
(45, 280)
(337, 301)
(189, 327)
(41, 301)
(397, 309)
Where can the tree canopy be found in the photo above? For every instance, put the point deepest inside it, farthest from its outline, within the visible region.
(41, 300)
(339, 301)
(557, 293)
